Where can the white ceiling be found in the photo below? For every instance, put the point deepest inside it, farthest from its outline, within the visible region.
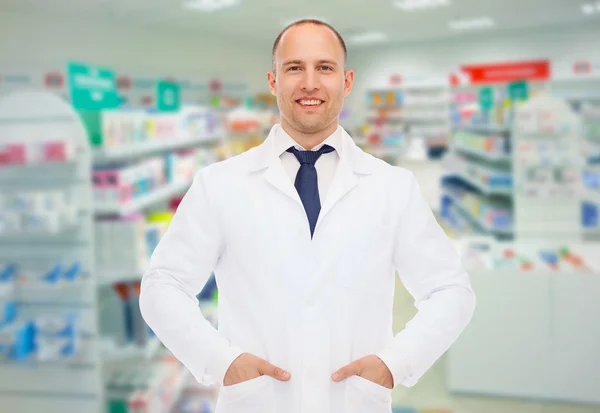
(261, 20)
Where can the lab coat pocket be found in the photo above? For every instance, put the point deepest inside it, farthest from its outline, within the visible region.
(252, 396)
(364, 396)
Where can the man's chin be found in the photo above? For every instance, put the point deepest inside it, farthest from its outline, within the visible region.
(309, 127)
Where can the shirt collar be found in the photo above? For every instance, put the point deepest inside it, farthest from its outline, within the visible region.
(283, 141)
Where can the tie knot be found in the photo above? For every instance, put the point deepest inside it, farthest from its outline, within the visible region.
(310, 157)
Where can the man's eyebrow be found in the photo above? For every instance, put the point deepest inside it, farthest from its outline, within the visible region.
(292, 62)
(329, 62)
(299, 62)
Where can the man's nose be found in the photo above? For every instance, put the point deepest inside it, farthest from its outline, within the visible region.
(311, 80)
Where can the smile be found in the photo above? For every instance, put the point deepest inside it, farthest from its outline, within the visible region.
(309, 102)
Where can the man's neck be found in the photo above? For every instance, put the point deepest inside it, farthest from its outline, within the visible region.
(309, 141)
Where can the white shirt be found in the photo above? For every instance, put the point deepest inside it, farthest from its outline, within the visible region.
(325, 165)
(309, 305)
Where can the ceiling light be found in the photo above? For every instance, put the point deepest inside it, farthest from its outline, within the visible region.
(420, 4)
(368, 38)
(209, 5)
(472, 24)
(588, 8)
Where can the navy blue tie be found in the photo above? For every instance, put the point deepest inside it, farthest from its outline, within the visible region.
(307, 184)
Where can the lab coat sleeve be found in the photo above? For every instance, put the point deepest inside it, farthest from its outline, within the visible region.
(179, 269)
(431, 270)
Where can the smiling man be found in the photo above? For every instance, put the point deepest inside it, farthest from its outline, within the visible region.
(305, 234)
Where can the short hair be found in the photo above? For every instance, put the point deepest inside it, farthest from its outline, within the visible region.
(308, 21)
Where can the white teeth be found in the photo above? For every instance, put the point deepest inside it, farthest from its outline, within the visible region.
(310, 102)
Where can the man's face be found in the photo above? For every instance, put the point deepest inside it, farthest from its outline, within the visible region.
(309, 81)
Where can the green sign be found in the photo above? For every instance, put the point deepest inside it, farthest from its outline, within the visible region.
(249, 102)
(486, 98)
(215, 102)
(92, 88)
(518, 91)
(167, 96)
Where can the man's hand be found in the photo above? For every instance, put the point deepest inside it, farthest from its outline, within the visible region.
(247, 367)
(371, 368)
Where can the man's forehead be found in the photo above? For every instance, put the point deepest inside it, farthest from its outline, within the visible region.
(325, 44)
(297, 34)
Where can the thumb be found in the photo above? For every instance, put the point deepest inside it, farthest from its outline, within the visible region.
(351, 369)
(268, 369)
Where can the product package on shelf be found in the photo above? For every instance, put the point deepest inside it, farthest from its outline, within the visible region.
(57, 336)
(548, 170)
(590, 208)
(47, 298)
(121, 184)
(487, 177)
(485, 254)
(41, 337)
(24, 212)
(491, 145)
(154, 388)
(121, 322)
(484, 107)
(36, 152)
(479, 186)
(121, 244)
(115, 129)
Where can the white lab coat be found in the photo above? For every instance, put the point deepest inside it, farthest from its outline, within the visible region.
(309, 306)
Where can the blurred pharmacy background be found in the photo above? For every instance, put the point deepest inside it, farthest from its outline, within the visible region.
(108, 108)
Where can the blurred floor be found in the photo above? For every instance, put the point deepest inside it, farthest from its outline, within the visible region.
(431, 391)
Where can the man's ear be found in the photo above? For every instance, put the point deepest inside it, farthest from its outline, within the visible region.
(272, 80)
(348, 81)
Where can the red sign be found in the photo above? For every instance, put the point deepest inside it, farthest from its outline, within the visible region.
(582, 67)
(454, 80)
(123, 83)
(215, 85)
(508, 72)
(395, 79)
(54, 79)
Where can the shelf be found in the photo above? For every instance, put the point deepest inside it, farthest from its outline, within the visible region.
(460, 225)
(107, 278)
(487, 129)
(477, 220)
(591, 196)
(156, 196)
(33, 363)
(127, 152)
(37, 238)
(112, 353)
(425, 104)
(488, 156)
(485, 189)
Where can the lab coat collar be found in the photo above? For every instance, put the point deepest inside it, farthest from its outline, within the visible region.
(282, 141)
(266, 154)
(352, 164)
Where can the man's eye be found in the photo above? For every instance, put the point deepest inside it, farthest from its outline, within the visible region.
(293, 68)
(326, 68)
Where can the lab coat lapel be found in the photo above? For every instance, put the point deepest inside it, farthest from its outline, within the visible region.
(353, 163)
(277, 176)
(262, 158)
(343, 181)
